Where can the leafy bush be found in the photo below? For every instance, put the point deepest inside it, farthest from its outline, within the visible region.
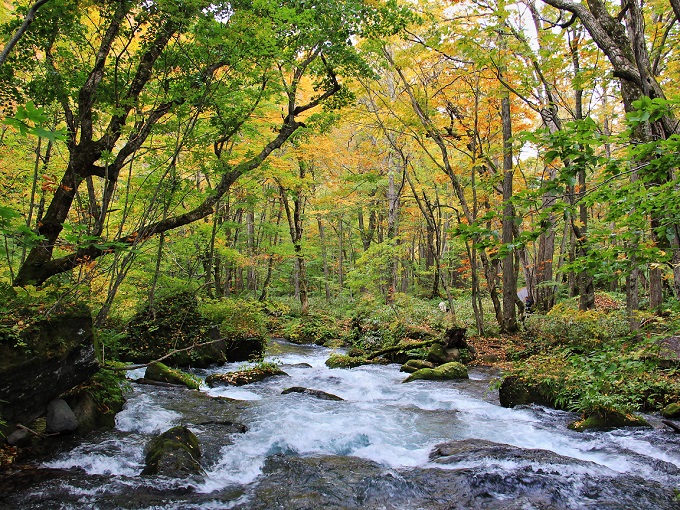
(313, 328)
(567, 326)
(619, 377)
(236, 318)
(172, 323)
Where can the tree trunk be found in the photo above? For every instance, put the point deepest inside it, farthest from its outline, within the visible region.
(508, 222)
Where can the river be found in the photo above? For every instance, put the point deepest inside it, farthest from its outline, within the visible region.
(374, 449)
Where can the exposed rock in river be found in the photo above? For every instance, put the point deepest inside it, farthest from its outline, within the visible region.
(314, 393)
(519, 479)
(175, 453)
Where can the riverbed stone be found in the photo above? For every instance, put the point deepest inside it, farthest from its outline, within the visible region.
(243, 377)
(517, 479)
(671, 410)
(175, 453)
(60, 418)
(314, 393)
(515, 391)
(437, 354)
(413, 365)
(447, 371)
(611, 420)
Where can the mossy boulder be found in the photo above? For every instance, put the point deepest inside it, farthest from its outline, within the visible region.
(162, 373)
(437, 354)
(447, 371)
(610, 420)
(515, 391)
(246, 376)
(413, 365)
(42, 359)
(97, 401)
(175, 453)
(671, 410)
(345, 361)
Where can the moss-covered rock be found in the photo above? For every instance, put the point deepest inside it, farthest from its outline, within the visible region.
(414, 365)
(437, 354)
(609, 420)
(515, 391)
(671, 410)
(175, 453)
(97, 401)
(247, 376)
(447, 371)
(345, 361)
(40, 359)
(162, 373)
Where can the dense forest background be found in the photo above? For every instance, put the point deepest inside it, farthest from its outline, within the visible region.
(341, 151)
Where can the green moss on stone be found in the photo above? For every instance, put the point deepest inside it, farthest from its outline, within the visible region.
(608, 421)
(447, 371)
(671, 410)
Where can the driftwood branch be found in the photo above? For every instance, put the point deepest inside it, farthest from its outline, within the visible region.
(171, 353)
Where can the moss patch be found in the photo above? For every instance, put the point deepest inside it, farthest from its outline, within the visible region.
(447, 371)
(608, 421)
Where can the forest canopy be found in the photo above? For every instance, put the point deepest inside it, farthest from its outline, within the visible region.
(339, 148)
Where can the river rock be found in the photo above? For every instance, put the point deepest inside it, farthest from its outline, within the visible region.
(20, 437)
(60, 356)
(314, 393)
(161, 373)
(515, 391)
(610, 420)
(452, 370)
(413, 365)
(175, 453)
(243, 377)
(671, 410)
(495, 477)
(60, 417)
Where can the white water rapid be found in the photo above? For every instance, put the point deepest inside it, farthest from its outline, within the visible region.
(379, 419)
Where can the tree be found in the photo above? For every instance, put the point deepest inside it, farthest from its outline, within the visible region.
(153, 63)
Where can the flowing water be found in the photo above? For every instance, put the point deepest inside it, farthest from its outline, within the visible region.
(304, 452)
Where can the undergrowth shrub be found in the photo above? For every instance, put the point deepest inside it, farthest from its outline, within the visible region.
(620, 376)
(236, 318)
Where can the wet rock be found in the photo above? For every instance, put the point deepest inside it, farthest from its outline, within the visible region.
(229, 427)
(344, 361)
(502, 478)
(413, 365)
(610, 420)
(175, 453)
(243, 377)
(515, 391)
(20, 437)
(314, 393)
(452, 370)
(60, 418)
(162, 373)
(671, 411)
(59, 356)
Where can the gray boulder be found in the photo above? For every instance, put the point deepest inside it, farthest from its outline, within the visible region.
(60, 417)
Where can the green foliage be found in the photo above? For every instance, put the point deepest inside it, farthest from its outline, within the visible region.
(108, 388)
(566, 325)
(620, 376)
(236, 318)
(171, 323)
(311, 329)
